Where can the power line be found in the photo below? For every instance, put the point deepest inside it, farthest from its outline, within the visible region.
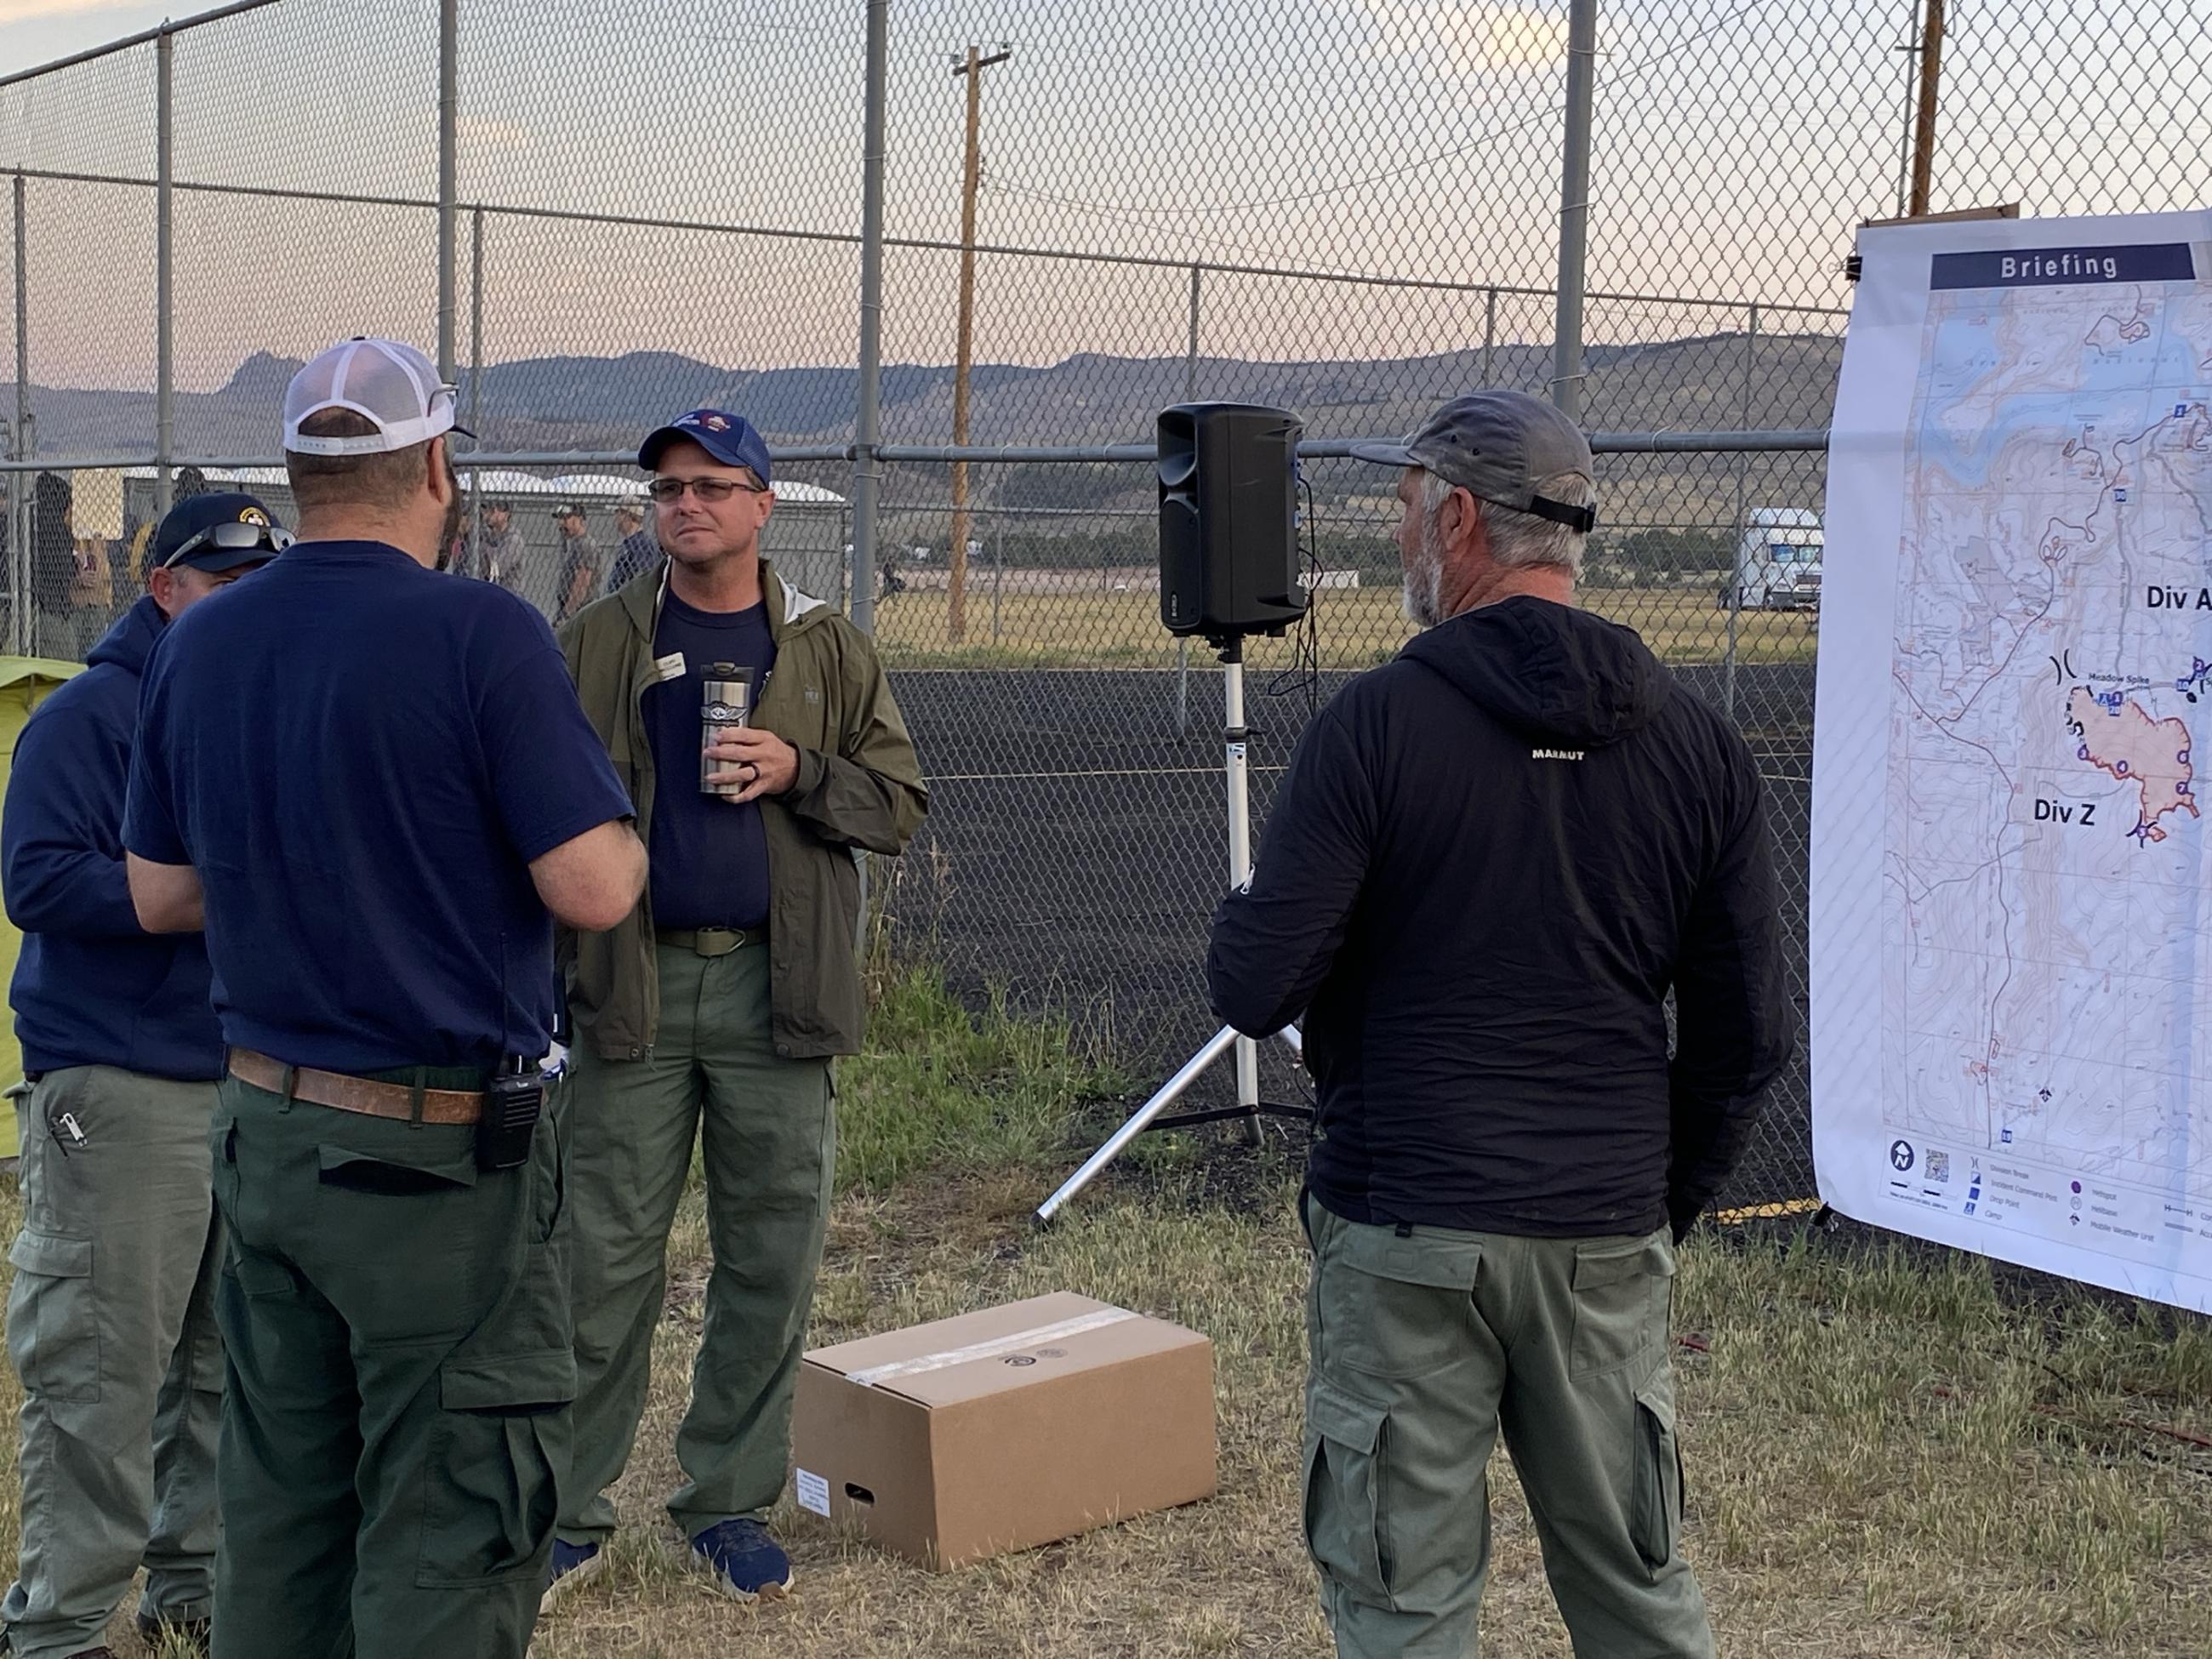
(1626, 74)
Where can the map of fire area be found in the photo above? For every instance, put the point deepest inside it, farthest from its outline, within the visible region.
(2011, 889)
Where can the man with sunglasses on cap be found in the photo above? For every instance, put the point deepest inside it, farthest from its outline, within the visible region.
(711, 1014)
(374, 784)
(110, 1322)
(1489, 864)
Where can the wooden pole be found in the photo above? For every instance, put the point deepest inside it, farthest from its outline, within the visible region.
(1923, 127)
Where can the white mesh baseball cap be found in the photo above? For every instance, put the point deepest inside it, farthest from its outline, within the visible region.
(393, 387)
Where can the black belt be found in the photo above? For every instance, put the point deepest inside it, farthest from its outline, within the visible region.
(711, 941)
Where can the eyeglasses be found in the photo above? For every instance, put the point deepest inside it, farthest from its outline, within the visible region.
(669, 491)
(233, 537)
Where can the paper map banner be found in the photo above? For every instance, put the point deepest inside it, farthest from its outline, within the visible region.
(2011, 926)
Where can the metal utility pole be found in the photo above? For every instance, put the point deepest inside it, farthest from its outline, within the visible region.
(1924, 126)
(867, 413)
(20, 484)
(164, 286)
(449, 79)
(1574, 207)
(971, 181)
(476, 379)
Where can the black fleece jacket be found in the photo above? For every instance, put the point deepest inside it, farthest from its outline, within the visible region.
(1490, 862)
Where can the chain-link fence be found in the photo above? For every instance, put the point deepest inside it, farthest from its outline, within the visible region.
(605, 211)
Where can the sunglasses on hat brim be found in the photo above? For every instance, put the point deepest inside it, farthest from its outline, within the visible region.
(234, 537)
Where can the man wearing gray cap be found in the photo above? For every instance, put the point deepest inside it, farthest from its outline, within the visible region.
(1490, 863)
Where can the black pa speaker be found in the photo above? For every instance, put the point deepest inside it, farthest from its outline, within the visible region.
(1229, 538)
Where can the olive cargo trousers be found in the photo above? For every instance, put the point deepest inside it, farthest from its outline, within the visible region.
(765, 1127)
(110, 1325)
(1425, 1342)
(397, 1421)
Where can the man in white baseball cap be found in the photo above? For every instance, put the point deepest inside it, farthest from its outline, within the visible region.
(377, 787)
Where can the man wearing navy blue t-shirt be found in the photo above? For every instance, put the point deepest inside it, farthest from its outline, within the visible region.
(376, 787)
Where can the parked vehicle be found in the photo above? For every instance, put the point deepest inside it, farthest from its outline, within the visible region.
(1777, 562)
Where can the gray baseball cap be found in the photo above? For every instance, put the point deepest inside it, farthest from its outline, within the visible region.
(1496, 445)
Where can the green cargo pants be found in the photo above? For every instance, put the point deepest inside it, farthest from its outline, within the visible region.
(766, 1128)
(1425, 1342)
(400, 1367)
(112, 1328)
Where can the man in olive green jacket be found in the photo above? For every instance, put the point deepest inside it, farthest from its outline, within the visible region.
(714, 1011)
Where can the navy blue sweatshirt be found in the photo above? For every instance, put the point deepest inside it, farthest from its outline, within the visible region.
(91, 988)
(1489, 864)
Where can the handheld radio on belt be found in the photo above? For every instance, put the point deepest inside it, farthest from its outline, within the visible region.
(512, 1100)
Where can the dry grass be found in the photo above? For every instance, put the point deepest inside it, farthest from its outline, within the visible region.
(1357, 627)
(1887, 1460)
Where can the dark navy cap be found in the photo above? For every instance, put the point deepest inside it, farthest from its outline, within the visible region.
(730, 439)
(196, 532)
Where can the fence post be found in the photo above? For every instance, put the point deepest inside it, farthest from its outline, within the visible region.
(1743, 520)
(476, 377)
(1190, 350)
(1489, 337)
(998, 570)
(868, 412)
(21, 484)
(1189, 395)
(165, 296)
(1574, 209)
(449, 77)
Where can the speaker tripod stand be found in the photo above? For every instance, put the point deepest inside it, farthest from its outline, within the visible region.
(1250, 1107)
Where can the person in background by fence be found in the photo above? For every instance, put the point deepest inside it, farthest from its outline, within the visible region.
(374, 784)
(1489, 863)
(712, 1013)
(638, 547)
(110, 1322)
(54, 569)
(582, 564)
(498, 555)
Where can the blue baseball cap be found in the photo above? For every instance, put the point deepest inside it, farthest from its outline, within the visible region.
(217, 532)
(730, 439)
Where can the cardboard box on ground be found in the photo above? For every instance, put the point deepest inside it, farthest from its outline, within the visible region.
(969, 1437)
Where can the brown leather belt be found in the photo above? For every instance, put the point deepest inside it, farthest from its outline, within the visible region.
(345, 1093)
(710, 941)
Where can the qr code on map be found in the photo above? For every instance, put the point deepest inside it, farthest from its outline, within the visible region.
(1939, 1165)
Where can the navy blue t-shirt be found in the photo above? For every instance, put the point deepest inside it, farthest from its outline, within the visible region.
(362, 757)
(709, 855)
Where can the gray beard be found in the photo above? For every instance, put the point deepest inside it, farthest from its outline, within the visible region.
(1424, 596)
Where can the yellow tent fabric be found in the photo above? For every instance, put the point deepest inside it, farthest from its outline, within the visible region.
(24, 684)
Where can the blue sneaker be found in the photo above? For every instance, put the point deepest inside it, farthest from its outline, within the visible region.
(743, 1561)
(573, 1564)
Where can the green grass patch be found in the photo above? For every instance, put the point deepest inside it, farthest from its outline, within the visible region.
(942, 1087)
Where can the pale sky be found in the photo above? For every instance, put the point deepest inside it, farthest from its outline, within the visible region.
(1739, 142)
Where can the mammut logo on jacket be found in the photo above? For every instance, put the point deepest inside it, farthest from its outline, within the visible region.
(1555, 753)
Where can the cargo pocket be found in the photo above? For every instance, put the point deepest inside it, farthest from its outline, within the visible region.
(1621, 1291)
(1654, 1511)
(1346, 1494)
(1392, 1306)
(500, 1440)
(53, 1318)
(423, 1193)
